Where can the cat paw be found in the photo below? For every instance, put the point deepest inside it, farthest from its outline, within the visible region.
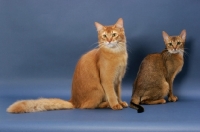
(163, 101)
(173, 98)
(123, 104)
(117, 107)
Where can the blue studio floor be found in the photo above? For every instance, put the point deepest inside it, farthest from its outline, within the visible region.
(182, 116)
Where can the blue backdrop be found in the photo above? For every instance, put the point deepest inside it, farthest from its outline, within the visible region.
(41, 41)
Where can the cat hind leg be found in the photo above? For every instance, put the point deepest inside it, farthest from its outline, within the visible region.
(103, 105)
(94, 100)
(150, 102)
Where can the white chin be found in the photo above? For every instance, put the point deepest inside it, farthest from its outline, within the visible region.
(174, 52)
(111, 45)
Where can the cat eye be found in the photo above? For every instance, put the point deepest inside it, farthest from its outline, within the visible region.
(114, 34)
(178, 43)
(170, 44)
(104, 36)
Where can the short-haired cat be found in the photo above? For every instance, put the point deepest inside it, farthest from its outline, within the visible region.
(97, 77)
(156, 74)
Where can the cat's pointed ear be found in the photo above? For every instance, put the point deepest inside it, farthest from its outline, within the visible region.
(183, 34)
(119, 23)
(165, 35)
(98, 26)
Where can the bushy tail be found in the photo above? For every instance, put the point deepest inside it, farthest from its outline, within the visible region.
(41, 104)
(139, 108)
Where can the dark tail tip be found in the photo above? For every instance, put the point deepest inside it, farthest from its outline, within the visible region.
(139, 108)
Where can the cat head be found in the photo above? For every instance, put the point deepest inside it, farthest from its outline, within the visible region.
(175, 44)
(111, 37)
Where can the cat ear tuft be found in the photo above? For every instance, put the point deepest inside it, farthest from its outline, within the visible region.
(183, 34)
(119, 23)
(165, 35)
(98, 26)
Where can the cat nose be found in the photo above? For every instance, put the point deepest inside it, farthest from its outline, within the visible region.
(175, 48)
(109, 40)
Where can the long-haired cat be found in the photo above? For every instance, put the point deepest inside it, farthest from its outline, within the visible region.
(156, 74)
(97, 76)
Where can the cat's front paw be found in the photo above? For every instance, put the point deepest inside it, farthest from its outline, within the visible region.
(173, 98)
(117, 107)
(123, 104)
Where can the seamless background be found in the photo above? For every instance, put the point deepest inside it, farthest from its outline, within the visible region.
(42, 40)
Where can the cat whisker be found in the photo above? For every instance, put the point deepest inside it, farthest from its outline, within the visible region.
(185, 53)
(121, 47)
(127, 42)
(96, 43)
(101, 45)
(96, 47)
(127, 45)
(119, 43)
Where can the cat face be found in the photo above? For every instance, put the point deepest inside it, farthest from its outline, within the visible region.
(111, 37)
(175, 44)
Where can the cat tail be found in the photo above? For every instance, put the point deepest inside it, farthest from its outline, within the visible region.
(139, 108)
(42, 104)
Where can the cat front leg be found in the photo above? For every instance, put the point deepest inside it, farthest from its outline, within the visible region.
(118, 92)
(111, 96)
(123, 104)
(171, 96)
(108, 79)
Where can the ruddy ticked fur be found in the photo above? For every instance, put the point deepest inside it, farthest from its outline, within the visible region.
(156, 74)
(97, 77)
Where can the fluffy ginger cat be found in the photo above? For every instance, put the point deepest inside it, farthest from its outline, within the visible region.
(97, 77)
(156, 74)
